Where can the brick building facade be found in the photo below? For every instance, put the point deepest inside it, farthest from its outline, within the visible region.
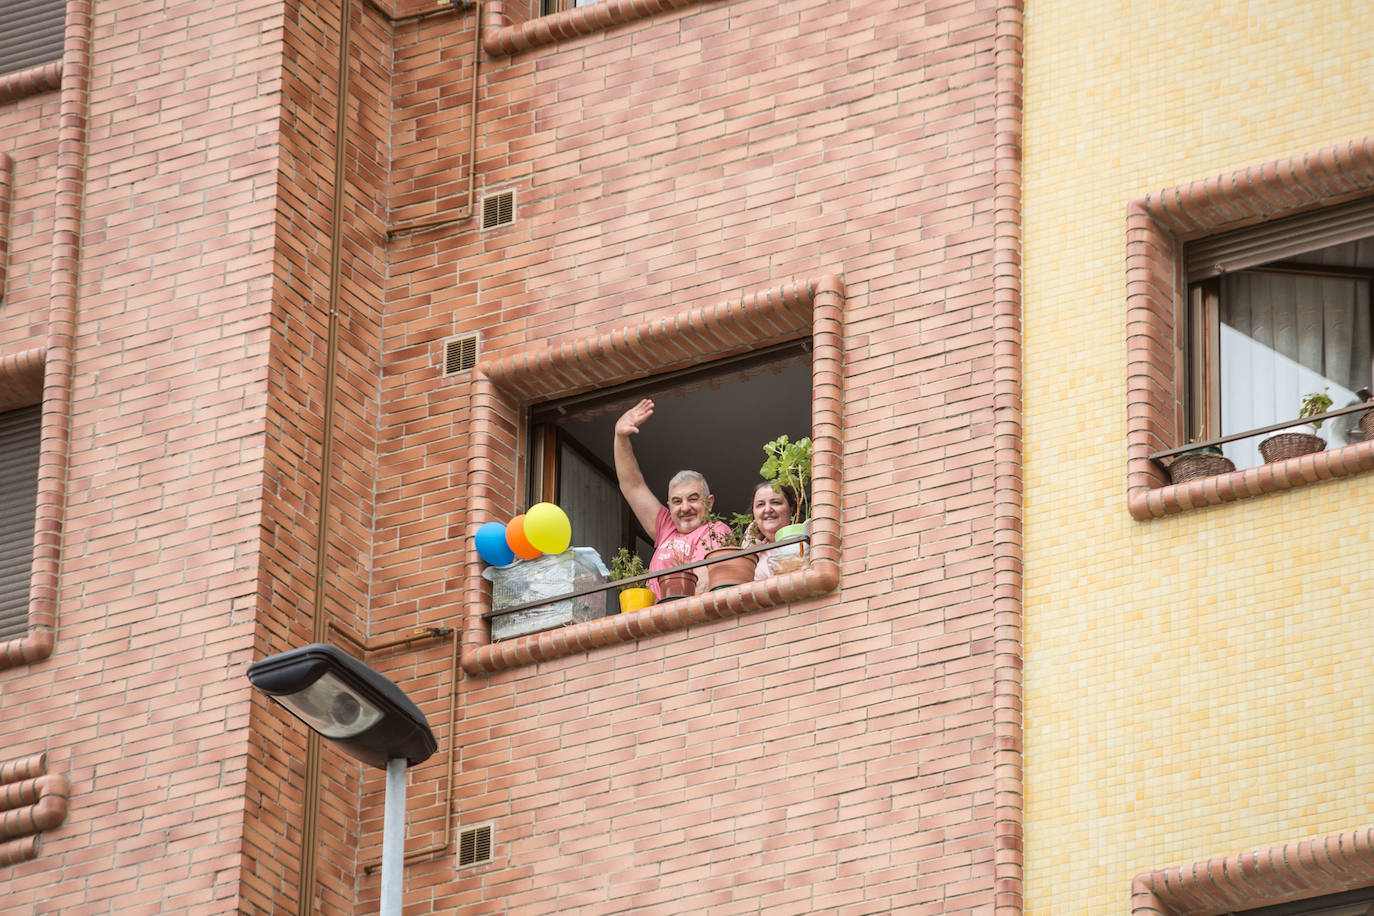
(239, 238)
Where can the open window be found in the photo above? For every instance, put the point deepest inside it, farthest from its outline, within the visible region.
(1244, 293)
(542, 422)
(548, 7)
(1275, 312)
(713, 419)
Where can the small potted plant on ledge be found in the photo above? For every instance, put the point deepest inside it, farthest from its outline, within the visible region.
(678, 584)
(626, 565)
(1207, 461)
(1366, 420)
(736, 570)
(1299, 440)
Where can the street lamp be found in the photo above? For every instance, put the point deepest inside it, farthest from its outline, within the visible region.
(369, 718)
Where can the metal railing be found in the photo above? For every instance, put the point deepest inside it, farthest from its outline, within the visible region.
(1158, 457)
(632, 581)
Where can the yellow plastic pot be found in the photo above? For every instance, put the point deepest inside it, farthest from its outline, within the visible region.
(633, 599)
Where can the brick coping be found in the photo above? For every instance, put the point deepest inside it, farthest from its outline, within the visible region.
(1262, 877)
(1157, 225)
(502, 36)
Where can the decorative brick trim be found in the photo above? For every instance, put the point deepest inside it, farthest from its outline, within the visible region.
(1263, 877)
(31, 801)
(504, 36)
(1008, 795)
(43, 78)
(6, 204)
(1156, 227)
(21, 378)
(58, 360)
(503, 389)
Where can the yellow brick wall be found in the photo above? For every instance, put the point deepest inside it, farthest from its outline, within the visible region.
(1201, 684)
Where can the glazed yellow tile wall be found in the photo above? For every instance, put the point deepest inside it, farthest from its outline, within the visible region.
(1202, 684)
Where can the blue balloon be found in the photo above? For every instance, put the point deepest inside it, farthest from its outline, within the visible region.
(492, 546)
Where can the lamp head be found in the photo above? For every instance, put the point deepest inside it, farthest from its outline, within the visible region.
(347, 702)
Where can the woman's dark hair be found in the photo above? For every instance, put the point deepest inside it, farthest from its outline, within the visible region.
(787, 493)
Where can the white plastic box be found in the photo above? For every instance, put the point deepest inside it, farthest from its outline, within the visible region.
(547, 577)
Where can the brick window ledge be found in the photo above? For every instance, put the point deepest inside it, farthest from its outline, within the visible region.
(1171, 499)
(504, 389)
(32, 800)
(1262, 877)
(1157, 226)
(503, 37)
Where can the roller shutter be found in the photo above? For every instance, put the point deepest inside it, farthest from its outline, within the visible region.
(30, 33)
(19, 437)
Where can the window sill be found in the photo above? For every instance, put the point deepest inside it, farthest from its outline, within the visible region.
(819, 577)
(1155, 501)
(502, 37)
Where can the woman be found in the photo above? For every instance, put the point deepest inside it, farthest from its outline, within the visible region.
(772, 510)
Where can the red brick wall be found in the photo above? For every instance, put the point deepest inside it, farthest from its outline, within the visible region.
(831, 754)
(809, 758)
(141, 704)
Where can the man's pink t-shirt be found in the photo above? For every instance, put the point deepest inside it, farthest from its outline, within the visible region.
(672, 548)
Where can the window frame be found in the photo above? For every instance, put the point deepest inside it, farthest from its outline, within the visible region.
(503, 389)
(1158, 226)
(1202, 343)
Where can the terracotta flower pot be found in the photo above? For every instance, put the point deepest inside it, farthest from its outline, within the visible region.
(677, 585)
(736, 571)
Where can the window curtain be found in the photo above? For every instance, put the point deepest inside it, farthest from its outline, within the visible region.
(593, 504)
(1284, 336)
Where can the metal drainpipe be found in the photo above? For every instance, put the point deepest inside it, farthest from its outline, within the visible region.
(305, 901)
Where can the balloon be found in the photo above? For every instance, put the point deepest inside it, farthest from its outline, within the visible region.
(492, 546)
(518, 540)
(548, 528)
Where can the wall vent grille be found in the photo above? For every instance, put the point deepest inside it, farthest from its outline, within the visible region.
(460, 354)
(498, 210)
(474, 845)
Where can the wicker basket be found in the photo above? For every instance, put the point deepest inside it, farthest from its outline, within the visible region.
(1290, 445)
(1367, 424)
(1196, 466)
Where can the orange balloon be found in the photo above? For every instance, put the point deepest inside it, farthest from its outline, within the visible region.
(515, 537)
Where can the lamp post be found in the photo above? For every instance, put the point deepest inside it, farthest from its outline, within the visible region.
(369, 718)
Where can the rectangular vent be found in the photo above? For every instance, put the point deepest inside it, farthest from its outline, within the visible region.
(498, 210)
(460, 354)
(474, 845)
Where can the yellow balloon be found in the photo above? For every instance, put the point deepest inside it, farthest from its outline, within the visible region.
(547, 528)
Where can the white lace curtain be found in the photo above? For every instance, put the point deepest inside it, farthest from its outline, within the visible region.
(1284, 336)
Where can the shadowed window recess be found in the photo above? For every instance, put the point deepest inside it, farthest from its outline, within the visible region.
(713, 419)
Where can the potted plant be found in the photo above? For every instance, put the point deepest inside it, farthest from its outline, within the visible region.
(789, 465)
(1301, 440)
(678, 584)
(1206, 461)
(720, 544)
(1366, 420)
(626, 565)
